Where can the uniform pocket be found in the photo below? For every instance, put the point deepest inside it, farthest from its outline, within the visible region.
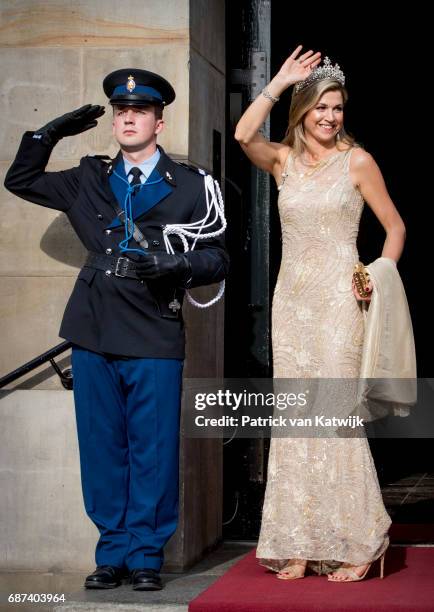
(168, 299)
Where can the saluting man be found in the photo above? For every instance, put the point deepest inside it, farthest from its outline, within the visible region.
(124, 315)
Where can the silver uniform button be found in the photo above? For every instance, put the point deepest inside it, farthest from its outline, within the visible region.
(108, 232)
(109, 251)
(108, 272)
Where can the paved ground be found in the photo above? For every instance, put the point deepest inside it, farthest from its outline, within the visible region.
(179, 589)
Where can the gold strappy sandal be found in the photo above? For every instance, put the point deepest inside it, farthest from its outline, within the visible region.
(292, 571)
(351, 575)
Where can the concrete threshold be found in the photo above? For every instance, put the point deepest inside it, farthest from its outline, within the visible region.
(178, 591)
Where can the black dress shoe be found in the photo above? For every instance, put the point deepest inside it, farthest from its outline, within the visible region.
(144, 579)
(105, 577)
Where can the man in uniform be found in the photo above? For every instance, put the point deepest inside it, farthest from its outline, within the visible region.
(124, 316)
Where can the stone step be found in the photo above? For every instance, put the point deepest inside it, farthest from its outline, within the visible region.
(179, 589)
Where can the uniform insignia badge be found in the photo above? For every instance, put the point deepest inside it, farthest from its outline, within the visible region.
(131, 84)
(168, 175)
(174, 305)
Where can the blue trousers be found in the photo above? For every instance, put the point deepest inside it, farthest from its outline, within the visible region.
(128, 414)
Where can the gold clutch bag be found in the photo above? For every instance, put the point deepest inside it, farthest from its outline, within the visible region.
(361, 279)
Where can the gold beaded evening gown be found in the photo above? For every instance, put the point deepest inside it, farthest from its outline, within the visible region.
(322, 502)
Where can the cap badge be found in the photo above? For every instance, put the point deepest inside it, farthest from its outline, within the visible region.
(131, 84)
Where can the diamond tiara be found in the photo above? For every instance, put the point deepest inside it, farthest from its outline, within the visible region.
(326, 71)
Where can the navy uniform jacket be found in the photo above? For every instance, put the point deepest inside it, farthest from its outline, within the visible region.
(108, 314)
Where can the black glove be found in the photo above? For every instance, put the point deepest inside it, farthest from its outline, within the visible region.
(72, 123)
(159, 265)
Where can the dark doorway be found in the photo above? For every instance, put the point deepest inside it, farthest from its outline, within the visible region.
(385, 59)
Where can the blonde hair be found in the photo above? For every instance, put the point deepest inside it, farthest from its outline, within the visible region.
(304, 101)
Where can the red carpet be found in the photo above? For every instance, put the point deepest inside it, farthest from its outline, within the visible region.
(408, 586)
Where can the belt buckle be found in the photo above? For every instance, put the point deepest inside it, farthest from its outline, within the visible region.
(124, 265)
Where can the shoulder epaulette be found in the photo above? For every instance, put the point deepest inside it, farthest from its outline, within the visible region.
(192, 168)
(99, 156)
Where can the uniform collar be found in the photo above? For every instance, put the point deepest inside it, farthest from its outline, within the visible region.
(165, 166)
(146, 167)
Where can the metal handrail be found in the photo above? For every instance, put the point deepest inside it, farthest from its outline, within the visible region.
(65, 375)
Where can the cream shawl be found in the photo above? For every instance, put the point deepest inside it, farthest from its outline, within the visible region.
(388, 383)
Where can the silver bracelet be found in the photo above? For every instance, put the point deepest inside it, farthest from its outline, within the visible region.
(267, 95)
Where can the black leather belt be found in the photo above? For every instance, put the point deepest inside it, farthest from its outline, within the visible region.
(110, 264)
(167, 301)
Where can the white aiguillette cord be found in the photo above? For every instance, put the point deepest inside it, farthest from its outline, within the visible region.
(215, 207)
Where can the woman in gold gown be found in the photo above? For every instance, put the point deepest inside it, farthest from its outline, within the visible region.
(323, 507)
